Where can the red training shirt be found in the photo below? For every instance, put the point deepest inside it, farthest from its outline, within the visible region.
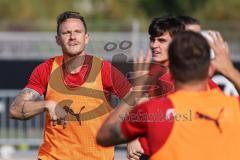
(113, 80)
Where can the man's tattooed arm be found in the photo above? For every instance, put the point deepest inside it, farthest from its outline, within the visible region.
(27, 104)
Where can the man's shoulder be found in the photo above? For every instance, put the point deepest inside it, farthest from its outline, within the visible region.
(44, 68)
(46, 64)
(235, 99)
(162, 103)
(49, 60)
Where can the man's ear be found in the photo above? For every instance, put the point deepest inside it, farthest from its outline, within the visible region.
(58, 40)
(211, 69)
(87, 38)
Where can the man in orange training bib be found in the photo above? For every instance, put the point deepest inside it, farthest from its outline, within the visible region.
(76, 90)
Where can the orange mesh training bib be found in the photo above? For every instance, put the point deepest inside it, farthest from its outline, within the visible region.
(207, 126)
(78, 140)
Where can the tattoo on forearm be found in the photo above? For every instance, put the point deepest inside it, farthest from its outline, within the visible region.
(29, 94)
(116, 133)
(25, 95)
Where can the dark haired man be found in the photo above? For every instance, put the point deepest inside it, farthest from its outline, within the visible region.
(76, 89)
(161, 32)
(192, 123)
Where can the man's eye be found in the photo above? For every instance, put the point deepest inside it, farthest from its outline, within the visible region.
(78, 31)
(64, 33)
(162, 40)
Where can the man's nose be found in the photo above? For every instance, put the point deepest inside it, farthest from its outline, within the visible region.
(154, 44)
(72, 35)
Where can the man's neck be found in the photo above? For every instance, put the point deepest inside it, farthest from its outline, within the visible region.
(165, 63)
(194, 86)
(73, 64)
